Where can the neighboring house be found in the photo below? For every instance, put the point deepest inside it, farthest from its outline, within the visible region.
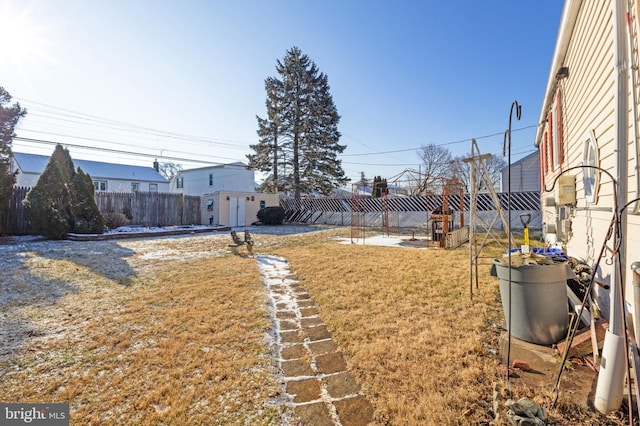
(589, 118)
(525, 175)
(233, 177)
(235, 208)
(107, 177)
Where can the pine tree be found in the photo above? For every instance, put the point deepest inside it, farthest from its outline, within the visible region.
(267, 151)
(298, 141)
(61, 201)
(379, 187)
(9, 117)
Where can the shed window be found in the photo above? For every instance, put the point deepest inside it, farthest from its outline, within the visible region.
(590, 176)
(209, 204)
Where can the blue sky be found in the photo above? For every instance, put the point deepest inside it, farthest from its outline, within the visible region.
(403, 74)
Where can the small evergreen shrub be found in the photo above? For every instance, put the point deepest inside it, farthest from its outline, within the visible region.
(271, 215)
(114, 220)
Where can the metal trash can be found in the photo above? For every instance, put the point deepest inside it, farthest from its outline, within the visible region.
(539, 301)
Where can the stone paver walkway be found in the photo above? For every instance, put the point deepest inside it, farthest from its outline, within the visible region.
(320, 389)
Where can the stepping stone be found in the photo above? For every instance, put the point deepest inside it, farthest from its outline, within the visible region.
(316, 414)
(288, 325)
(310, 322)
(323, 347)
(304, 390)
(293, 352)
(296, 368)
(356, 411)
(341, 385)
(308, 312)
(291, 337)
(318, 333)
(330, 363)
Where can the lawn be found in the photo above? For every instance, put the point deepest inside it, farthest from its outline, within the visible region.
(176, 330)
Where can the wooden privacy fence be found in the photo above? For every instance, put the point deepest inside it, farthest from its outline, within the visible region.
(12, 216)
(144, 208)
(151, 208)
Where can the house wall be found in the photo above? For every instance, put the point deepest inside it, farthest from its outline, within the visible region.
(123, 185)
(525, 175)
(216, 207)
(29, 180)
(589, 110)
(229, 177)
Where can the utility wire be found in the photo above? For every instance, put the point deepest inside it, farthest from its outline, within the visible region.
(109, 123)
(99, 122)
(441, 143)
(118, 151)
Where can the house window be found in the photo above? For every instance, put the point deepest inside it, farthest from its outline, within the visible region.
(153, 187)
(210, 179)
(590, 176)
(557, 133)
(180, 182)
(135, 186)
(100, 185)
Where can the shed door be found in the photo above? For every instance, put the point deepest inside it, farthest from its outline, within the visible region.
(237, 207)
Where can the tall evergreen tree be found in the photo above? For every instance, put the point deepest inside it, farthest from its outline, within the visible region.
(380, 187)
(267, 156)
(298, 141)
(10, 114)
(61, 201)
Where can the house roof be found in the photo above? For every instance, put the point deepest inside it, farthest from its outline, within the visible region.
(33, 163)
(528, 158)
(567, 24)
(217, 166)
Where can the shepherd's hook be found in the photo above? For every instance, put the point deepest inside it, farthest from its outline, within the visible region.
(507, 149)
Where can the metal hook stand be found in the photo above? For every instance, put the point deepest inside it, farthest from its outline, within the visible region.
(506, 149)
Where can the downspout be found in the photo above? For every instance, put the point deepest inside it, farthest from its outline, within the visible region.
(635, 267)
(611, 379)
(636, 152)
(634, 109)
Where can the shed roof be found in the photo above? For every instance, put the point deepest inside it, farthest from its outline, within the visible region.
(34, 163)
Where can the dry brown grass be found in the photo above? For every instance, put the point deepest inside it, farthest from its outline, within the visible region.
(412, 335)
(180, 342)
(172, 330)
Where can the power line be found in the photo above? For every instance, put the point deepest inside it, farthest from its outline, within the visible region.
(92, 120)
(117, 151)
(88, 119)
(441, 143)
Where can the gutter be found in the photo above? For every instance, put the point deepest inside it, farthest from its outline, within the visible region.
(567, 25)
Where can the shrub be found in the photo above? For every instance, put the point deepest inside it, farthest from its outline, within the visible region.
(62, 200)
(115, 220)
(82, 205)
(271, 215)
